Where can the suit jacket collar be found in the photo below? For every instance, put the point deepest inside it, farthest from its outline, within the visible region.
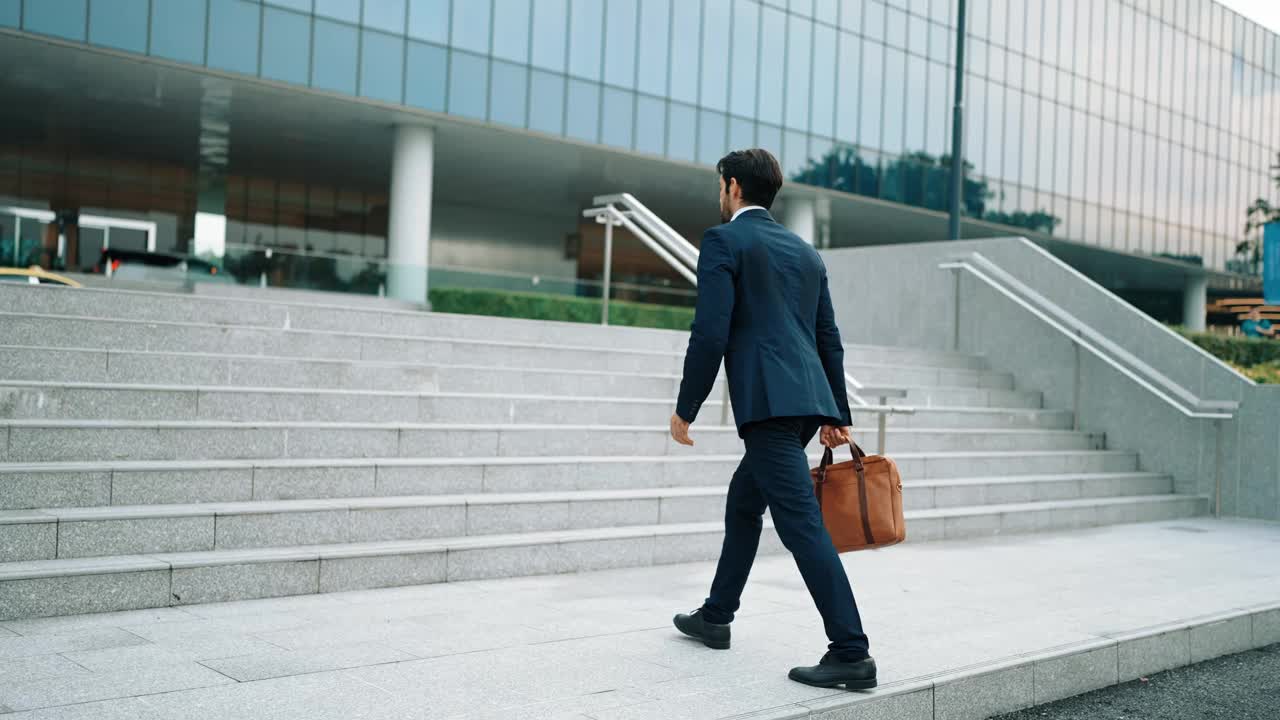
(759, 212)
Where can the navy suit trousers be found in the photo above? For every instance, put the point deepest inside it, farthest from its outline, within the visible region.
(774, 473)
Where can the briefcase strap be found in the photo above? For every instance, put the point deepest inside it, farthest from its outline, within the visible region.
(865, 511)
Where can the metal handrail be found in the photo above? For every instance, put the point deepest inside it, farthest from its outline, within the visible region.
(1080, 334)
(625, 210)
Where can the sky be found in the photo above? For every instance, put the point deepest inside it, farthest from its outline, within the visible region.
(1264, 12)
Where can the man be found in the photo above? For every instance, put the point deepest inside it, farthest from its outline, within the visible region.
(764, 308)
(1255, 326)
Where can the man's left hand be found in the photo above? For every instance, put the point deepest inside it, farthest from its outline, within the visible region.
(680, 430)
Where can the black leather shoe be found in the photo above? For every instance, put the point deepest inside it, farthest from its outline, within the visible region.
(712, 635)
(830, 672)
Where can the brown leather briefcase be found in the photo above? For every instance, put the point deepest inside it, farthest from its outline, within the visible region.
(861, 500)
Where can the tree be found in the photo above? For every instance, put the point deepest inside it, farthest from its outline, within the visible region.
(917, 179)
(1261, 212)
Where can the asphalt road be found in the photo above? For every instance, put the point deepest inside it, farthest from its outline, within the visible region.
(1239, 687)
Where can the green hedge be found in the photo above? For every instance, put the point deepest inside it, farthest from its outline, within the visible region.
(536, 306)
(1242, 351)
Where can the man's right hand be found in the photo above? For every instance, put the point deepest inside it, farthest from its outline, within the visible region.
(833, 436)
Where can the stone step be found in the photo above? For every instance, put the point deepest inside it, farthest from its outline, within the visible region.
(282, 314)
(110, 401)
(40, 588)
(99, 483)
(57, 364)
(49, 533)
(67, 440)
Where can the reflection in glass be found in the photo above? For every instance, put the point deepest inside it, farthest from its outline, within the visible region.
(769, 137)
(655, 22)
(686, 28)
(177, 30)
(617, 114)
(550, 25)
(772, 45)
(286, 45)
(233, 35)
(333, 57)
(872, 87)
(824, 81)
(742, 81)
(682, 139)
(620, 57)
(895, 87)
(385, 15)
(508, 94)
(121, 24)
(546, 102)
(799, 71)
(425, 76)
(429, 20)
(651, 125)
(711, 137)
(381, 60)
(468, 85)
(850, 95)
(585, 27)
(917, 93)
(583, 120)
(795, 152)
(715, 54)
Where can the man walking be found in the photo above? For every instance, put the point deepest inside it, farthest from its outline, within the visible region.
(764, 308)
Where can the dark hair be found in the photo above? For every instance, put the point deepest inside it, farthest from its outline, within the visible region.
(757, 172)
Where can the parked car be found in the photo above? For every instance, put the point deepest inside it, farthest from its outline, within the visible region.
(145, 265)
(35, 275)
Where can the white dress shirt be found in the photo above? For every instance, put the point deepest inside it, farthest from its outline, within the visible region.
(744, 209)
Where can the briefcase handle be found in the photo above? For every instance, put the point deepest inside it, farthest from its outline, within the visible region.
(828, 458)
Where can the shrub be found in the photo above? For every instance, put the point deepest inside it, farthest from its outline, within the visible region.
(539, 306)
(1241, 351)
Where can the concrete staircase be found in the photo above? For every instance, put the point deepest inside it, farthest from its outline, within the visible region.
(166, 449)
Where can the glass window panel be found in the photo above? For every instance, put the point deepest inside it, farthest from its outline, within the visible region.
(348, 10)
(895, 81)
(896, 30)
(742, 81)
(468, 85)
(177, 30)
(799, 71)
(851, 15)
(546, 102)
(11, 13)
(999, 14)
(620, 39)
(1050, 30)
(795, 153)
(827, 11)
(940, 43)
(975, 124)
(583, 121)
(333, 58)
(742, 134)
(682, 140)
(470, 26)
(550, 28)
(303, 5)
(64, 18)
(712, 127)
(651, 125)
(286, 45)
(508, 94)
(121, 24)
(1013, 131)
(1017, 25)
(686, 30)
(425, 76)
(511, 30)
(385, 15)
(617, 115)
(1029, 173)
(381, 64)
(996, 63)
(772, 45)
(993, 145)
(979, 19)
(802, 7)
(585, 27)
(233, 35)
(655, 23)
(769, 137)
(715, 54)
(850, 95)
(916, 112)
(824, 80)
(429, 20)
(937, 110)
(872, 95)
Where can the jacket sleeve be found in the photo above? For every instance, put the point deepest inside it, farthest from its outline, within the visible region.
(709, 336)
(831, 350)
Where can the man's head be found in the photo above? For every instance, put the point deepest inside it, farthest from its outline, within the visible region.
(747, 177)
(1255, 313)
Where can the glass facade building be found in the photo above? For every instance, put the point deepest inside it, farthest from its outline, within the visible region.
(1145, 126)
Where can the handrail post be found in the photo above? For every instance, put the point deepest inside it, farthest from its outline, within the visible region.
(608, 268)
(881, 426)
(1075, 400)
(724, 398)
(1217, 469)
(955, 320)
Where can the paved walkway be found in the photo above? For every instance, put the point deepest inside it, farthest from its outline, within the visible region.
(599, 645)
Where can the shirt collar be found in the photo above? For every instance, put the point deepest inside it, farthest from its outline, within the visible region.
(745, 209)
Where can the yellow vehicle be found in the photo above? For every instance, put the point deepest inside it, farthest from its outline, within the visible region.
(35, 275)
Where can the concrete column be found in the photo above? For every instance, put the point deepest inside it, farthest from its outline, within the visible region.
(409, 225)
(209, 226)
(1194, 296)
(800, 216)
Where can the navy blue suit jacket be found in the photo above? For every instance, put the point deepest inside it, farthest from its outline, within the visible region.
(764, 308)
